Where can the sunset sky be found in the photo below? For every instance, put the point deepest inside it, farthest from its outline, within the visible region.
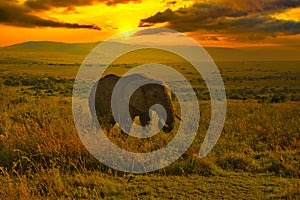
(223, 23)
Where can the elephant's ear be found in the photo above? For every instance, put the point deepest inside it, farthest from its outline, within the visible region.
(138, 100)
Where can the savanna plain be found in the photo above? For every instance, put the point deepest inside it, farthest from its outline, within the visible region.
(256, 157)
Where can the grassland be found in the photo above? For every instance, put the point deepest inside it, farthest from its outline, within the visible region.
(256, 157)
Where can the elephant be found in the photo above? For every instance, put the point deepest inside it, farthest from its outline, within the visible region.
(140, 101)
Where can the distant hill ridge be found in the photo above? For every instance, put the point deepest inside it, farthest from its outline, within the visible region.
(48, 46)
(217, 53)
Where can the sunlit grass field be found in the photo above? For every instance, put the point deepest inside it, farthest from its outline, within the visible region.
(256, 157)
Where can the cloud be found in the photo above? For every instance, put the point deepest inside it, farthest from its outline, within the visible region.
(14, 14)
(191, 18)
(259, 5)
(160, 17)
(171, 3)
(152, 31)
(49, 4)
(249, 17)
(115, 2)
(262, 24)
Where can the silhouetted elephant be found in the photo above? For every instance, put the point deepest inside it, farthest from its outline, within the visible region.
(140, 101)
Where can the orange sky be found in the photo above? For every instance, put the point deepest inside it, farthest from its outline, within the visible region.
(225, 23)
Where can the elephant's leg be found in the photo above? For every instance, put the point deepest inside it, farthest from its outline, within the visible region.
(144, 119)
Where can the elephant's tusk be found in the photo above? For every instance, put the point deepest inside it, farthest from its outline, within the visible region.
(178, 117)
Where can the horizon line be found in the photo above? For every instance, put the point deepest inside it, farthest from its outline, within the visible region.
(94, 42)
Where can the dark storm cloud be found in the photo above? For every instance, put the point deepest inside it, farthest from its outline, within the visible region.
(18, 15)
(49, 4)
(244, 16)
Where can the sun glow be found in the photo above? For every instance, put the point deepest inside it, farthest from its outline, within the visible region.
(126, 26)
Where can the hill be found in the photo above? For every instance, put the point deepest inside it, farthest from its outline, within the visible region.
(48, 46)
(81, 50)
